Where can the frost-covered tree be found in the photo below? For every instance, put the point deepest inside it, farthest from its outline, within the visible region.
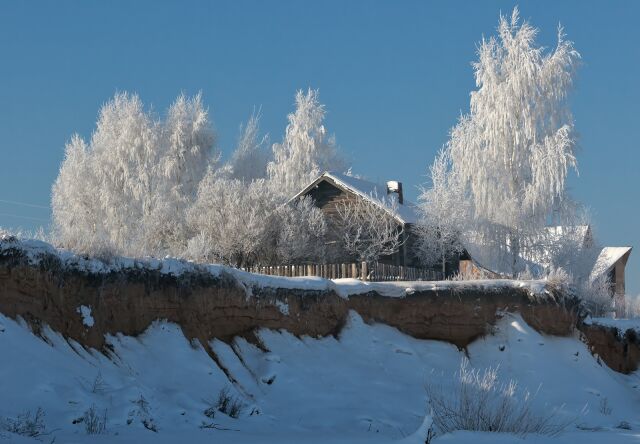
(125, 154)
(188, 142)
(250, 158)
(230, 220)
(597, 296)
(514, 149)
(368, 231)
(129, 188)
(443, 212)
(299, 232)
(306, 150)
(244, 224)
(78, 215)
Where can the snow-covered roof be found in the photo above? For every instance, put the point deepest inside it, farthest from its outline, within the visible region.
(405, 212)
(607, 259)
(580, 233)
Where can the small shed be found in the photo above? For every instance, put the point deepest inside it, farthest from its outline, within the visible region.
(611, 262)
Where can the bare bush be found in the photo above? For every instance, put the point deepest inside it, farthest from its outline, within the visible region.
(98, 386)
(558, 278)
(228, 404)
(94, 422)
(367, 230)
(142, 411)
(25, 424)
(605, 408)
(632, 307)
(597, 296)
(478, 402)
(468, 274)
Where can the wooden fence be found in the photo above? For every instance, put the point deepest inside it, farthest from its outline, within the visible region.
(359, 270)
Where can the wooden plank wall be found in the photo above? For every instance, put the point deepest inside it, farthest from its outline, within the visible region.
(355, 270)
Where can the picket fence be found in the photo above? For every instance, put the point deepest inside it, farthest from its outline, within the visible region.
(358, 270)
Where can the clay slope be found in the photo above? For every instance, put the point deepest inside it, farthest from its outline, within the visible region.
(45, 289)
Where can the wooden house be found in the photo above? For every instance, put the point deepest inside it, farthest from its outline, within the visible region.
(331, 188)
(611, 263)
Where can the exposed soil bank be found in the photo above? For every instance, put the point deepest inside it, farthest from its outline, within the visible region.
(620, 350)
(208, 305)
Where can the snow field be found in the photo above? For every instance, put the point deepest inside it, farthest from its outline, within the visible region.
(367, 385)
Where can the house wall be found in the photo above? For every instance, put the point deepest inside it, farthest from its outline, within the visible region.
(619, 277)
(327, 196)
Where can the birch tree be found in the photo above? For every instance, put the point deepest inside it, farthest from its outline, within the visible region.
(443, 212)
(188, 148)
(368, 231)
(77, 214)
(306, 151)
(229, 220)
(250, 158)
(127, 190)
(125, 153)
(514, 149)
(300, 230)
(244, 224)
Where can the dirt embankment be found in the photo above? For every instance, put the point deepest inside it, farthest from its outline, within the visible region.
(221, 306)
(208, 306)
(620, 350)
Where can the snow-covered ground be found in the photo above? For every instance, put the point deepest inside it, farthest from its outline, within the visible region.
(35, 251)
(368, 385)
(621, 324)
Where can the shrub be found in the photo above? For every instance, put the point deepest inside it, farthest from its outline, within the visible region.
(469, 274)
(227, 404)
(142, 411)
(632, 307)
(597, 296)
(98, 386)
(559, 278)
(94, 423)
(478, 402)
(605, 408)
(25, 424)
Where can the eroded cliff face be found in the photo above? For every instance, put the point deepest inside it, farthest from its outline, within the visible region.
(620, 350)
(222, 306)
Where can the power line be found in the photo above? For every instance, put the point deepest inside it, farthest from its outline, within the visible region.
(24, 217)
(24, 204)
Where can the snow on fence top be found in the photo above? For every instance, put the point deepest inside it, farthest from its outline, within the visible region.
(36, 251)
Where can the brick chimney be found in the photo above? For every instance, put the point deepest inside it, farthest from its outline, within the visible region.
(393, 186)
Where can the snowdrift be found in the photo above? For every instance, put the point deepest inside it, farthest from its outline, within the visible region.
(365, 385)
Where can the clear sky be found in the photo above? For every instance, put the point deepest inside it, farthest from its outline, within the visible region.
(394, 76)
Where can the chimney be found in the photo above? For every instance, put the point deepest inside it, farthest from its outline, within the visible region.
(393, 186)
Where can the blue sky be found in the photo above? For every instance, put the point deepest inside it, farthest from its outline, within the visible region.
(394, 76)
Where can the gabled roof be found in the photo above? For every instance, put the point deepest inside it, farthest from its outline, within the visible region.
(406, 213)
(607, 259)
(580, 233)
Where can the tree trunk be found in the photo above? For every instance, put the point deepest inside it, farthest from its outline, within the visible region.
(514, 246)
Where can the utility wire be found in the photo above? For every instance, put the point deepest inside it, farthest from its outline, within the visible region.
(24, 217)
(24, 204)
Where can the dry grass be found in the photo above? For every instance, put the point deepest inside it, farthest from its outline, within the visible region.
(478, 402)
